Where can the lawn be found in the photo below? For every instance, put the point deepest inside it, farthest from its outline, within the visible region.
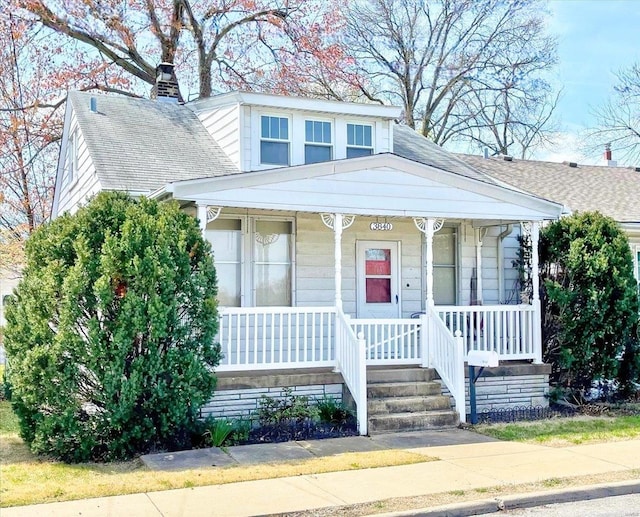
(28, 479)
(567, 431)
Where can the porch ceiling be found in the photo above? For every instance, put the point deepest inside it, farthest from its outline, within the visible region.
(384, 185)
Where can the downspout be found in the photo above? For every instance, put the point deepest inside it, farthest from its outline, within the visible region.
(501, 237)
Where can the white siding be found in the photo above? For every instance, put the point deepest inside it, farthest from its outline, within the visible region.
(85, 184)
(223, 125)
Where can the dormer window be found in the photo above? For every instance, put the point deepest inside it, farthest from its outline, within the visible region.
(359, 140)
(274, 141)
(317, 147)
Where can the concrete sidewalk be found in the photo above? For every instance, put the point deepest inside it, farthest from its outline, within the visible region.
(465, 466)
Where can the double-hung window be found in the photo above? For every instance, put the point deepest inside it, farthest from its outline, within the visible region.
(71, 160)
(317, 147)
(272, 268)
(359, 140)
(444, 266)
(274, 140)
(225, 236)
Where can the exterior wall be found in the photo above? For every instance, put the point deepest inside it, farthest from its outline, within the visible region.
(242, 403)
(509, 386)
(85, 183)
(223, 124)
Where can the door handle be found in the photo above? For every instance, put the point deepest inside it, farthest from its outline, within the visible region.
(396, 299)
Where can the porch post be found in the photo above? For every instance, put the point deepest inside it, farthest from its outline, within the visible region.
(337, 232)
(429, 238)
(537, 307)
(206, 214)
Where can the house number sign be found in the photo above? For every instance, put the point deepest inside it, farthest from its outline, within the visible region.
(381, 227)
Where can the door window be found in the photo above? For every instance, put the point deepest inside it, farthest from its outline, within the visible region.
(378, 275)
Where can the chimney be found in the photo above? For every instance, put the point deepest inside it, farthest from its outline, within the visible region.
(166, 88)
(607, 156)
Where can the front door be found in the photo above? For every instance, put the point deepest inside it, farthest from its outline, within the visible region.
(378, 273)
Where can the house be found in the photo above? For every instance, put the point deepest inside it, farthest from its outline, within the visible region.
(614, 191)
(352, 254)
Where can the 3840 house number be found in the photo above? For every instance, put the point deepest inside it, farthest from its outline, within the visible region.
(381, 227)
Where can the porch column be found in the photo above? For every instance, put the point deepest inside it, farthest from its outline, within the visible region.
(429, 227)
(480, 233)
(337, 223)
(535, 280)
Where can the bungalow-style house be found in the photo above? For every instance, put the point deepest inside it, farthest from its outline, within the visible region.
(355, 259)
(609, 189)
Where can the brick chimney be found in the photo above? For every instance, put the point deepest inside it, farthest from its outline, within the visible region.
(166, 88)
(608, 155)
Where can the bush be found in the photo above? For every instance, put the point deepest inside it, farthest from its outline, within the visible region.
(289, 408)
(332, 412)
(110, 333)
(590, 302)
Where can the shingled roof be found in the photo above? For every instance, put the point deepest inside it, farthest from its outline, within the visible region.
(140, 145)
(614, 191)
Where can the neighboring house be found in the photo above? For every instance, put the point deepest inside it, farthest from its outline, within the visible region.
(613, 191)
(341, 240)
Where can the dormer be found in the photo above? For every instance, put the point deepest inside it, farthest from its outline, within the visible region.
(261, 131)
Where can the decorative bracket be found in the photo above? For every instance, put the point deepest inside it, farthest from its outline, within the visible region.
(213, 212)
(482, 232)
(421, 224)
(329, 220)
(526, 228)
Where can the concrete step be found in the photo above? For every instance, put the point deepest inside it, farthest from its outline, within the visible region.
(400, 375)
(382, 406)
(403, 389)
(412, 421)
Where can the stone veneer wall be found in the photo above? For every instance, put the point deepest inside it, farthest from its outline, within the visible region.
(238, 396)
(510, 386)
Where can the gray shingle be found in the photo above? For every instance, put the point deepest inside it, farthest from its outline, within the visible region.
(614, 191)
(140, 145)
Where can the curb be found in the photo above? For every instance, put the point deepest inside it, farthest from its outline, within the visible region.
(530, 500)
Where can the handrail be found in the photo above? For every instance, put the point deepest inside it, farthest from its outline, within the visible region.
(351, 362)
(447, 357)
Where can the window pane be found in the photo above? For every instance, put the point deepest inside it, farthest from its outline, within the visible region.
(378, 290)
(308, 130)
(444, 244)
(317, 153)
(225, 245)
(273, 284)
(356, 152)
(276, 153)
(444, 285)
(274, 127)
(228, 284)
(265, 127)
(359, 135)
(284, 129)
(367, 136)
(326, 132)
(377, 262)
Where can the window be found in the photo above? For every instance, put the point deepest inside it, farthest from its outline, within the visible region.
(444, 266)
(225, 236)
(318, 141)
(71, 160)
(359, 140)
(274, 142)
(638, 268)
(272, 251)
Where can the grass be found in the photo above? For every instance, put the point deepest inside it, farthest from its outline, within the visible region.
(28, 479)
(569, 431)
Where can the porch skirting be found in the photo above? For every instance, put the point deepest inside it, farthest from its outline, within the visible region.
(509, 386)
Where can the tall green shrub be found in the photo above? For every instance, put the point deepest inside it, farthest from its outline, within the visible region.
(110, 334)
(591, 302)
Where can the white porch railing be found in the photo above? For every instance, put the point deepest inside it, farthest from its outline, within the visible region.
(269, 338)
(505, 329)
(446, 355)
(390, 341)
(350, 361)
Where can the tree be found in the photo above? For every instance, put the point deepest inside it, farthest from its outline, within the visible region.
(459, 68)
(618, 119)
(110, 333)
(590, 302)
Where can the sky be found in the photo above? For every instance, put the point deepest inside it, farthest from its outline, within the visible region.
(596, 38)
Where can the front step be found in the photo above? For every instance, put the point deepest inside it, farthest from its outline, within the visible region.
(407, 399)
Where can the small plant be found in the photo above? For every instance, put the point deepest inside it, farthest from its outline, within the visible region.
(333, 412)
(218, 431)
(289, 408)
(241, 431)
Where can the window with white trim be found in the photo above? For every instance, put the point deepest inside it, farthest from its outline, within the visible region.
(225, 236)
(71, 159)
(445, 266)
(359, 140)
(272, 267)
(318, 142)
(274, 140)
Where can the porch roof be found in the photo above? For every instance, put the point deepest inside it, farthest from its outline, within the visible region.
(380, 185)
